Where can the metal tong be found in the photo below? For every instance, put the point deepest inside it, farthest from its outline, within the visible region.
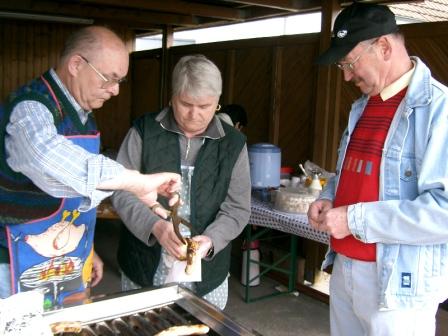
(177, 220)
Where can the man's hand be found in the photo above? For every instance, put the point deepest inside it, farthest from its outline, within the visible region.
(334, 222)
(146, 186)
(316, 209)
(160, 211)
(97, 269)
(323, 217)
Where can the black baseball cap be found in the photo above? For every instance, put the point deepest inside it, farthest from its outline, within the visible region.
(355, 23)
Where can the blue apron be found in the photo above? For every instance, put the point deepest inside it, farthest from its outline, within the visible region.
(55, 253)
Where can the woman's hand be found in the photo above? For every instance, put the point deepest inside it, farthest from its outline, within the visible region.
(164, 232)
(205, 244)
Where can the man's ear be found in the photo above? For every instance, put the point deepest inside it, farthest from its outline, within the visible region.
(74, 65)
(385, 47)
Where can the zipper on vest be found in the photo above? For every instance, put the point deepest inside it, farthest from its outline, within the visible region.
(188, 149)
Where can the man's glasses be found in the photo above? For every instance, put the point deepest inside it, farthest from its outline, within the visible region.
(350, 66)
(107, 83)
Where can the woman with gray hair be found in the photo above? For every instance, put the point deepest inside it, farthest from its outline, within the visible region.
(211, 156)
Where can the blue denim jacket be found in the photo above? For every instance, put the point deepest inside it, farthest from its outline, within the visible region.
(409, 223)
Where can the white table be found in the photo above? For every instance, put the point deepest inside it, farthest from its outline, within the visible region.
(264, 215)
(295, 225)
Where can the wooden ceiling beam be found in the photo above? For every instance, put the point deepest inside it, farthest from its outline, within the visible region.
(179, 14)
(265, 12)
(257, 13)
(383, 2)
(176, 6)
(285, 5)
(137, 17)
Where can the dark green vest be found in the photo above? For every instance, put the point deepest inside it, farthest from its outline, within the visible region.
(212, 173)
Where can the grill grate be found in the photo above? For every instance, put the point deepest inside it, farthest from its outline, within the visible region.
(146, 323)
(145, 313)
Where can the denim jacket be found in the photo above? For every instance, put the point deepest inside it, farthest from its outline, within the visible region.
(409, 222)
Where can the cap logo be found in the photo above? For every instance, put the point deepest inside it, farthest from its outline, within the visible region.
(342, 33)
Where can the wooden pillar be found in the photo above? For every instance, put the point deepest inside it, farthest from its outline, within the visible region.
(325, 123)
(167, 42)
(230, 77)
(276, 91)
(327, 91)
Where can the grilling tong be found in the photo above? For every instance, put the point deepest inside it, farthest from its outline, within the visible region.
(177, 220)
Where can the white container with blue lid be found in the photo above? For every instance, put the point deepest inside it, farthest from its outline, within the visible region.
(265, 161)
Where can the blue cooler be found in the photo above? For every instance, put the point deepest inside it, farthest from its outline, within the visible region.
(265, 160)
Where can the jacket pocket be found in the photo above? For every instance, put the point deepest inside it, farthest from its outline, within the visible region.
(408, 178)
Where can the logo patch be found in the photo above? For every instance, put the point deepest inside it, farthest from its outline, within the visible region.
(406, 280)
(342, 33)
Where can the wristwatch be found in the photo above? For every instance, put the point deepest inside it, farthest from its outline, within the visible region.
(210, 252)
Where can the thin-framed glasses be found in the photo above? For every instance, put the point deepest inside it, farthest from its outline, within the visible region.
(107, 83)
(350, 66)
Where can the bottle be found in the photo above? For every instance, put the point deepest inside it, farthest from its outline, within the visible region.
(254, 268)
(295, 181)
(315, 186)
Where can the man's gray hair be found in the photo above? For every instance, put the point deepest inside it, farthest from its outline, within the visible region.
(196, 76)
(87, 41)
(79, 41)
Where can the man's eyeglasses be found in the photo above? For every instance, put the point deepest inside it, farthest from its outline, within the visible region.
(350, 66)
(107, 83)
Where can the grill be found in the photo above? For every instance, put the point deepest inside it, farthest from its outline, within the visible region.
(145, 313)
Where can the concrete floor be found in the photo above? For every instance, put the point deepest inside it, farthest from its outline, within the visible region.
(282, 315)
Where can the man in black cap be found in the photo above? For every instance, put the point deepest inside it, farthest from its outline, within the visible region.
(387, 208)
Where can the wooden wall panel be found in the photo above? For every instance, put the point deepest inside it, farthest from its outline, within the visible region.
(114, 118)
(297, 103)
(432, 51)
(216, 56)
(252, 90)
(145, 92)
(28, 50)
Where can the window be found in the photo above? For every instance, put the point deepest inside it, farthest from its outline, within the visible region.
(295, 24)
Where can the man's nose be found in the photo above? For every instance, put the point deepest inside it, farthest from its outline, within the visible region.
(114, 90)
(348, 74)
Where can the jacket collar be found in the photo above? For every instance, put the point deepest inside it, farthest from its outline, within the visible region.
(419, 92)
(168, 122)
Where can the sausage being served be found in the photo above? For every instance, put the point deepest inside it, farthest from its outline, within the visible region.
(194, 329)
(191, 253)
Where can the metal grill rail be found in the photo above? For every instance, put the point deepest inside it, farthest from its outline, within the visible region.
(145, 313)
